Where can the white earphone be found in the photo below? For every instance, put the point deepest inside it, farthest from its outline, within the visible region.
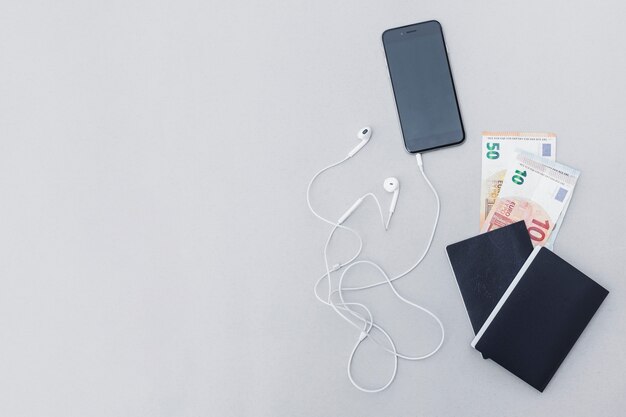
(346, 310)
(392, 185)
(364, 135)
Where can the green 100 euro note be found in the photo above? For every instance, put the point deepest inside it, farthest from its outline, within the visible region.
(536, 190)
(498, 152)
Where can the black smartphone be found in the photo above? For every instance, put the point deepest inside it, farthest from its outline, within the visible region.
(422, 84)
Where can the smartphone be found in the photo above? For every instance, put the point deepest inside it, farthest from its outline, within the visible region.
(423, 88)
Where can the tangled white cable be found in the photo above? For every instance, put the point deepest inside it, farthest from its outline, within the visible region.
(364, 323)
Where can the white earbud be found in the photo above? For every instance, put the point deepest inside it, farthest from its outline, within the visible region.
(392, 185)
(364, 135)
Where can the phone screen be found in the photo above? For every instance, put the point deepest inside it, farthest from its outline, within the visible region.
(423, 87)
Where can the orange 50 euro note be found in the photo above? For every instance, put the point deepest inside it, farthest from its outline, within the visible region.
(536, 190)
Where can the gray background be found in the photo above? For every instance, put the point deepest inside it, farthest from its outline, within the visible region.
(157, 254)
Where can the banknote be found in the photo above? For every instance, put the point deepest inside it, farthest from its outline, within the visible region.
(498, 152)
(536, 190)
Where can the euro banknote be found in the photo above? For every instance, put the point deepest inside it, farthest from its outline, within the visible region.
(536, 190)
(498, 152)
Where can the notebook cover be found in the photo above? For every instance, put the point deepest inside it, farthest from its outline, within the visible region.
(485, 265)
(539, 318)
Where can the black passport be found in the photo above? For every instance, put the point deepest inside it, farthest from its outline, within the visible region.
(485, 265)
(539, 318)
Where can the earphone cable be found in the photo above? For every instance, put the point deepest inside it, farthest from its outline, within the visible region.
(343, 306)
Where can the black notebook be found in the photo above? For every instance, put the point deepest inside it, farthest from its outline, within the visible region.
(485, 265)
(539, 318)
